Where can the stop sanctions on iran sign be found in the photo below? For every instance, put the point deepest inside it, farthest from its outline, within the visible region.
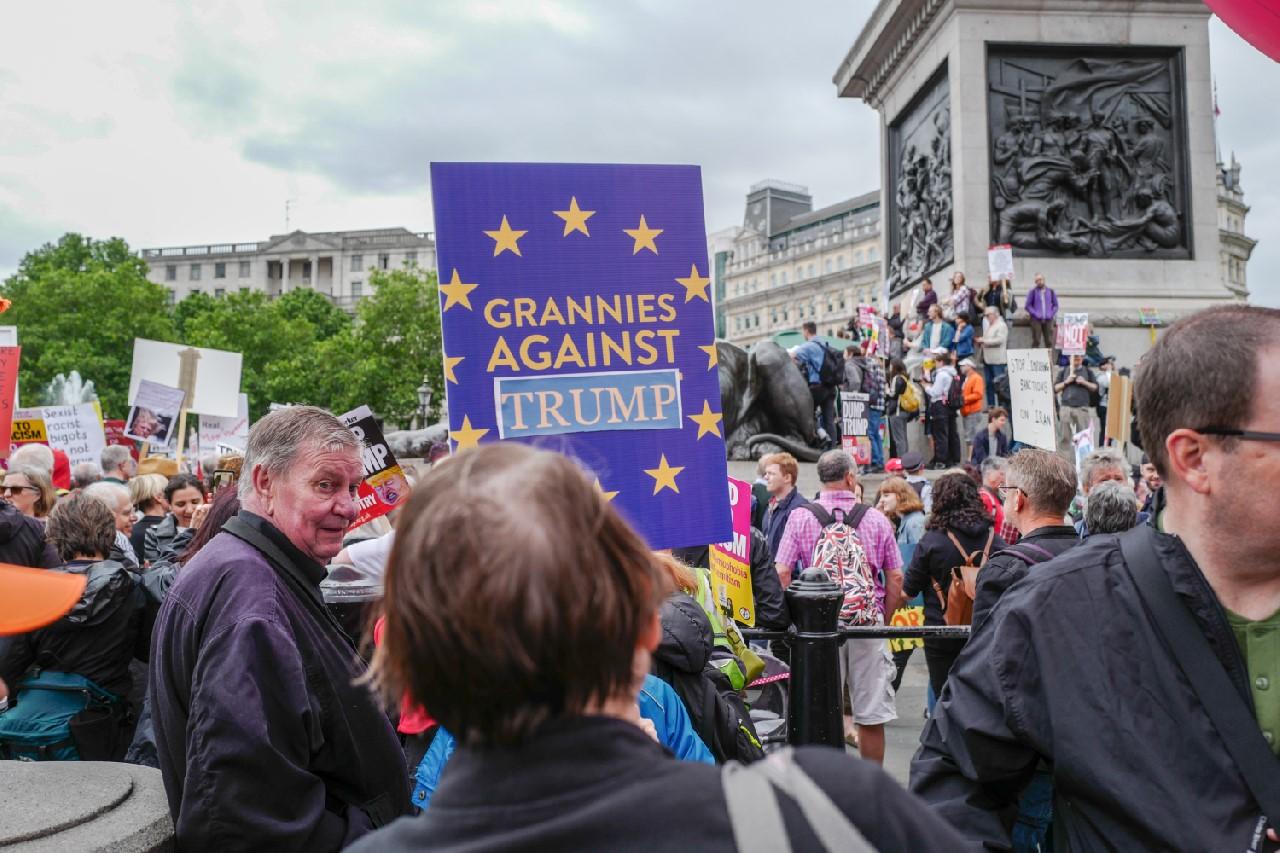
(576, 315)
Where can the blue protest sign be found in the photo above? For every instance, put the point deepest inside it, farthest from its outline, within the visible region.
(576, 311)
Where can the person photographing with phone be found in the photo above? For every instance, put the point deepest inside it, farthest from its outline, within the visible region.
(1075, 387)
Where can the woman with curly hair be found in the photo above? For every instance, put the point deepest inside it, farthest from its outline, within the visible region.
(959, 521)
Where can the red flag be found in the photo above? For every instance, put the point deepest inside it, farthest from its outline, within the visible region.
(1255, 21)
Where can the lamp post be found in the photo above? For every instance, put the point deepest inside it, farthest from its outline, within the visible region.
(424, 402)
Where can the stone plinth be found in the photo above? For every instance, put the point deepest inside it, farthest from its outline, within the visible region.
(54, 807)
(1039, 48)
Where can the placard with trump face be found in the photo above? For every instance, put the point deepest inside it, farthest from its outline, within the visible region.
(576, 308)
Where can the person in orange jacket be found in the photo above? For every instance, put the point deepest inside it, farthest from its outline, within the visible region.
(971, 418)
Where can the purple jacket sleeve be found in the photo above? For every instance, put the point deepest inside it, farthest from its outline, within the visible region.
(251, 729)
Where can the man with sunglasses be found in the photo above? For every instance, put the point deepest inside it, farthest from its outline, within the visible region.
(1143, 668)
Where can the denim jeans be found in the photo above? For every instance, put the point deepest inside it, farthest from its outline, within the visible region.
(874, 419)
(990, 372)
(1035, 815)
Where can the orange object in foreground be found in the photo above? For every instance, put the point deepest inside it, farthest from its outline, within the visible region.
(32, 598)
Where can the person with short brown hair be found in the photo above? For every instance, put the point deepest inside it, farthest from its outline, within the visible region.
(542, 701)
(1072, 657)
(781, 473)
(96, 640)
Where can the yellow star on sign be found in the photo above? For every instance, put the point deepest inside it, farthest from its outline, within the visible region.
(664, 476)
(575, 219)
(468, 436)
(713, 357)
(505, 238)
(456, 292)
(694, 285)
(449, 365)
(708, 422)
(643, 235)
(608, 496)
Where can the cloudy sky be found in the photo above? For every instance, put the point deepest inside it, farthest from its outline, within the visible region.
(170, 124)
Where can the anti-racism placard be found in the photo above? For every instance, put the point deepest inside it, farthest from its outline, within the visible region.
(76, 430)
(384, 486)
(576, 310)
(731, 561)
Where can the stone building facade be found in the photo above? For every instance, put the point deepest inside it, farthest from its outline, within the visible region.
(790, 264)
(334, 263)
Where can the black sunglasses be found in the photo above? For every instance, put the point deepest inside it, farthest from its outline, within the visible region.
(1244, 434)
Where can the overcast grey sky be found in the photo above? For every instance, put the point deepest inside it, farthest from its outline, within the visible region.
(170, 124)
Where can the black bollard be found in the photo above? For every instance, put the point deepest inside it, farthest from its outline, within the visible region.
(815, 709)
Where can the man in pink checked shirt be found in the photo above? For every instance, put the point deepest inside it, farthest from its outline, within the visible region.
(866, 668)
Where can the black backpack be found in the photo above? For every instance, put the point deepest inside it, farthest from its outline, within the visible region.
(955, 394)
(831, 374)
(717, 712)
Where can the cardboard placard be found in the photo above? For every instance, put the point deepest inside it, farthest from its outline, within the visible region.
(384, 486)
(1000, 262)
(216, 432)
(731, 561)
(576, 314)
(1033, 419)
(75, 430)
(1119, 403)
(154, 414)
(217, 385)
(1074, 330)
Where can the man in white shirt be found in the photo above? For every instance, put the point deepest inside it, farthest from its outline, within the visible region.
(942, 418)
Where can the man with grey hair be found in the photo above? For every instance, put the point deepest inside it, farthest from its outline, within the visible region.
(118, 465)
(1038, 488)
(866, 668)
(1104, 465)
(266, 736)
(116, 499)
(1110, 508)
(85, 474)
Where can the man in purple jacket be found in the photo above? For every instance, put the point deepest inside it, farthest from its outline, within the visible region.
(265, 739)
(1042, 307)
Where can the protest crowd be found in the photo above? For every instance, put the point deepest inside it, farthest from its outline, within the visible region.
(532, 676)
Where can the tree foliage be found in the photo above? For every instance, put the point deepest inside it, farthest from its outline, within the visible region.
(79, 304)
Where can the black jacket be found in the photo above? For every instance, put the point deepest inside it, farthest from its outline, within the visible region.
(1003, 570)
(596, 783)
(1069, 668)
(22, 541)
(97, 639)
(266, 738)
(165, 540)
(934, 558)
(138, 538)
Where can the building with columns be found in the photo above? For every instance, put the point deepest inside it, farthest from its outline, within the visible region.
(790, 263)
(334, 263)
(1236, 246)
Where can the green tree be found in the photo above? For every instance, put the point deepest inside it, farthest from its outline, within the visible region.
(394, 343)
(78, 304)
(303, 304)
